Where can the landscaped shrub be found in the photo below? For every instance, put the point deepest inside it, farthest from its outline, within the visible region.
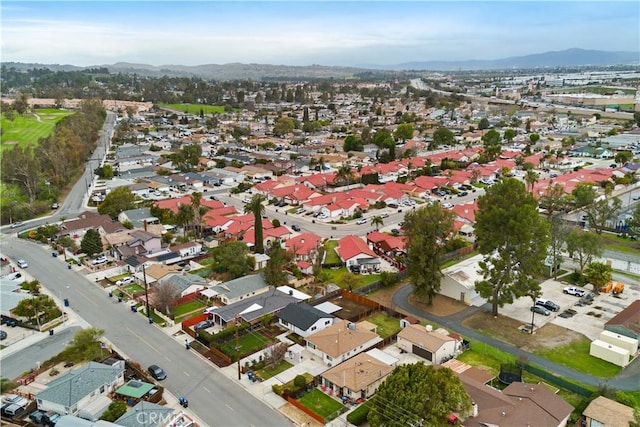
(359, 415)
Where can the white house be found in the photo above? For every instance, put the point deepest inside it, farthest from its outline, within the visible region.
(422, 341)
(340, 341)
(459, 281)
(303, 319)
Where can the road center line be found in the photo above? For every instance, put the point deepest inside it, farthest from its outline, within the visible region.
(186, 373)
(229, 407)
(206, 389)
(143, 340)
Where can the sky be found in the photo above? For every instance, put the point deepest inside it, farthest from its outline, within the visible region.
(306, 32)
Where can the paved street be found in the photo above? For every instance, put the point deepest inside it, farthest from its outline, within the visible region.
(216, 399)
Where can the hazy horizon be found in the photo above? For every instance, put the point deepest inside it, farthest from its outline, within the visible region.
(336, 33)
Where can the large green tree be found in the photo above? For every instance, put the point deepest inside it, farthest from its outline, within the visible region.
(118, 200)
(256, 207)
(584, 194)
(418, 395)
(85, 345)
(91, 243)
(554, 199)
(404, 132)
(601, 211)
(442, 136)
(598, 274)
(426, 229)
(513, 238)
(232, 260)
(584, 246)
(38, 307)
(283, 126)
(492, 142)
(274, 272)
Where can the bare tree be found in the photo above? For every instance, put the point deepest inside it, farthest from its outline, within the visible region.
(274, 354)
(164, 297)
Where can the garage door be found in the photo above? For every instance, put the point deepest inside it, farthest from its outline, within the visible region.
(422, 352)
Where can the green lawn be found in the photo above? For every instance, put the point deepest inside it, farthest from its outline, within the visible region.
(620, 244)
(387, 325)
(187, 307)
(320, 403)
(249, 343)
(132, 288)
(194, 108)
(331, 256)
(336, 276)
(576, 355)
(26, 130)
(268, 372)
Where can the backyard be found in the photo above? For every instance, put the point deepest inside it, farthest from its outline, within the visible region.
(387, 325)
(271, 371)
(248, 343)
(331, 256)
(337, 276)
(320, 403)
(187, 307)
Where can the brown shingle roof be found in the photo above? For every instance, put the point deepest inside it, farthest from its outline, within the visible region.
(609, 412)
(339, 339)
(358, 372)
(417, 334)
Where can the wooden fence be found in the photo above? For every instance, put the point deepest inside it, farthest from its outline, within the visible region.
(306, 410)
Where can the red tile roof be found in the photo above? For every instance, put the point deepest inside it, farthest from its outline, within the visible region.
(351, 246)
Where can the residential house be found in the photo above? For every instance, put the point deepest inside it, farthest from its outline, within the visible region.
(146, 414)
(252, 309)
(435, 347)
(140, 217)
(341, 341)
(356, 254)
(77, 390)
(240, 288)
(627, 322)
(304, 246)
(604, 412)
(184, 283)
(358, 377)
(459, 281)
(140, 243)
(76, 228)
(303, 319)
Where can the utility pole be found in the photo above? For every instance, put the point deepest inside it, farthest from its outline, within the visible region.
(238, 345)
(146, 292)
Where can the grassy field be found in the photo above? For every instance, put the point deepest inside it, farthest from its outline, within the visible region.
(249, 343)
(187, 307)
(600, 90)
(268, 371)
(331, 256)
(26, 130)
(194, 108)
(619, 244)
(336, 276)
(133, 288)
(320, 403)
(387, 325)
(576, 355)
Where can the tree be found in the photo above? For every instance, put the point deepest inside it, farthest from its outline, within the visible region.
(344, 174)
(534, 137)
(484, 123)
(352, 143)
(513, 239)
(351, 281)
(492, 142)
(198, 212)
(554, 199)
(636, 117)
(404, 132)
(425, 230)
(274, 272)
(283, 126)
(255, 206)
(623, 157)
(91, 243)
(584, 245)
(418, 395)
(35, 308)
(114, 411)
(531, 177)
(509, 134)
(558, 233)
(164, 297)
(232, 259)
(377, 222)
(598, 274)
(118, 200)
(584, 194)
(85, 345)
(634, 222)
(601, 211)
(185, 216)
(442, 136)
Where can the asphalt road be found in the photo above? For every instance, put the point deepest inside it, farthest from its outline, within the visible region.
(627, 380)
(21, 361)
(216, 399)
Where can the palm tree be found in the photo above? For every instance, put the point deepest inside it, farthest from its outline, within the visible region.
(321, 162)
(198, 212)
(255, 206)
(377, 221)
(344, 174)
(531, 178)
(185, 217)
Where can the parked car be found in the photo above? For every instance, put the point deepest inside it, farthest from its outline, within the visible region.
(548, 304)
(125, 281)
(157, 372)
(295, 227)
(3, 335)
(99, 260)
(462, 194)
(301, 210)
(11, 410)
(50, 418)
(540, 310)
(203, 325)
(15, 399)
(22, 263)
(37, 417)
(447, 205)
(361, 221)
(572, 290)
(54, 206)
(17, 224)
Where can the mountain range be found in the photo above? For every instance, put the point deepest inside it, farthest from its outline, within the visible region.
(565, 58)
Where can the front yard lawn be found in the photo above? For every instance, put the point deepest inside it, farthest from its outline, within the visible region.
(187, 307)
(249, 343)
(336, 276)
(269, 371)
(133, 288)
(320, 403)
(386, 324)
(331, 256)
(576, 355)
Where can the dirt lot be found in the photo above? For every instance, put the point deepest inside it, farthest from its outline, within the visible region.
(351, 310)
(442, 306)
(506, 329)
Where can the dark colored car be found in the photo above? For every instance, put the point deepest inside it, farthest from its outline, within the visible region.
(203, 325)
(3, 335)
(462, 194)
(540, 310)
(548, 304)
(157, 372)
(295, 227)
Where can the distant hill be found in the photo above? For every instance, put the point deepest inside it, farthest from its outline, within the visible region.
(564, 58)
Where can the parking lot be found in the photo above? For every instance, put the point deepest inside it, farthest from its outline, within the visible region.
(588, 320)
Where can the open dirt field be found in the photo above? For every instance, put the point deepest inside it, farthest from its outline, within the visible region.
(506, 329)
(442, 306)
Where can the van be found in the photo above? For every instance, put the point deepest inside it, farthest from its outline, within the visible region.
(11, 410)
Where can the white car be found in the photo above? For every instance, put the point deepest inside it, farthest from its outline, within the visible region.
(125, 281)
(22, 263)
(447, 205)
(572, 290)
(361, 221)
(99, 260)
